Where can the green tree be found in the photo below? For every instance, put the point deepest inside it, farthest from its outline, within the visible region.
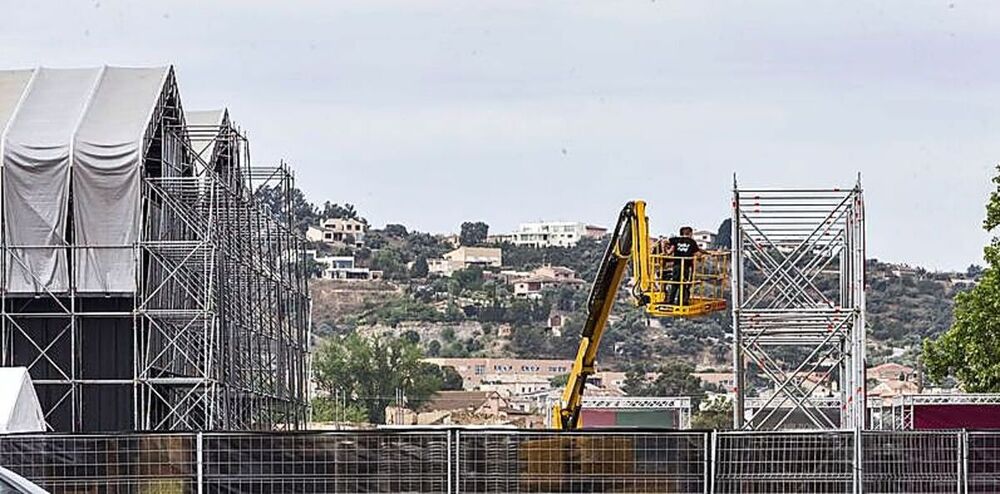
(395, 230)
(419, 268)
(314, 267)
(451, 380)
(470, 278)
(716, 414)
(300, 212)
(370, 370)
(473, 233)
(332, 409)
(391, 262)
(673, 379)
(974, 271)
(969, 351)
(448, 334)
(410, 336)
(559, 381)
(529, 342)
(434, 348)
(724, 237)
(375, 240)
(331, 210)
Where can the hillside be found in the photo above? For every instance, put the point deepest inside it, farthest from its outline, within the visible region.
(473, 313)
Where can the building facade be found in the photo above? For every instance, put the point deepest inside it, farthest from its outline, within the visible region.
(338, 231)
(705, 239)
(465, 257)
(550, 234)
(343, 268)
(475, 370)
(536, 281)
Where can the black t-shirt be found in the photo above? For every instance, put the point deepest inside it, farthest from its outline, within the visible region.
(684, 246)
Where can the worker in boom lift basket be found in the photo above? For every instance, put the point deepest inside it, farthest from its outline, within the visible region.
(683, 249)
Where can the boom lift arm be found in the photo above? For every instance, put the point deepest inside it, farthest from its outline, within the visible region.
(630, 242)
(631, 234)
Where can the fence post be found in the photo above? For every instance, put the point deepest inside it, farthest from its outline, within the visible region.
(458, 461)
(200, 462)
(450, 461)
(858, 460)
(711, 456)
(963, 461)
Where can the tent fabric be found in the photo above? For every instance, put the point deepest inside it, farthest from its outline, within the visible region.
(107, 159)
(12, 84)
(79, 130)
(203, 127)
(36, 167)
(20, 410)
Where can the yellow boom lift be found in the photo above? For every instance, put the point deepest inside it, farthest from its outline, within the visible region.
(700, 292)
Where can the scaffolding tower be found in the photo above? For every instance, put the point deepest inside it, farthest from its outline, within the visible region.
(798, 310)
(225, 309)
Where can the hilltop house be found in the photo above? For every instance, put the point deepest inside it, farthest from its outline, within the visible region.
(890, 371)
(342, 268)
(705, 239)
(531, 286)
(465, 257)
(549, 234)
(338, 231)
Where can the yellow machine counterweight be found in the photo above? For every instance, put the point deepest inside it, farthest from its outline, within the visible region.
(665, 284)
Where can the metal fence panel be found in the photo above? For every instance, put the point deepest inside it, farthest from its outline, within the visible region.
(340, 462)
(624, 462)
(776, 462)
(501, 461)
(983, 462)
(912, 462)
(159, 463)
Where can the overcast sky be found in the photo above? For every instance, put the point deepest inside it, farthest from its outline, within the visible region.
(430, 113)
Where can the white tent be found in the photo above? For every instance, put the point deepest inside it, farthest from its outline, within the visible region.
(82, 132)
(19, 407)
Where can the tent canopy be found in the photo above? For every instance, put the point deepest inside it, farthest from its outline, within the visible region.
(79, 130)
(19, 407)
(203, 128)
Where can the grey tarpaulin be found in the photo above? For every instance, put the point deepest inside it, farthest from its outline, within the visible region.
(84, 127)
(12, 84)
(107, 155)
(203, 129)
(36, 156)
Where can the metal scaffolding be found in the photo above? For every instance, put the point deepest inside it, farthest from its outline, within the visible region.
(799, 306)
(214, 335)
(225, 306)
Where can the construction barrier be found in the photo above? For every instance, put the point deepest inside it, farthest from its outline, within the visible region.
(508, 461)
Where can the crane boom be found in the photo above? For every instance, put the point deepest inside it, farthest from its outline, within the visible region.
(630, 235)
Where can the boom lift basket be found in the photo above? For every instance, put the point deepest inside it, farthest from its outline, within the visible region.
(698, 284)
